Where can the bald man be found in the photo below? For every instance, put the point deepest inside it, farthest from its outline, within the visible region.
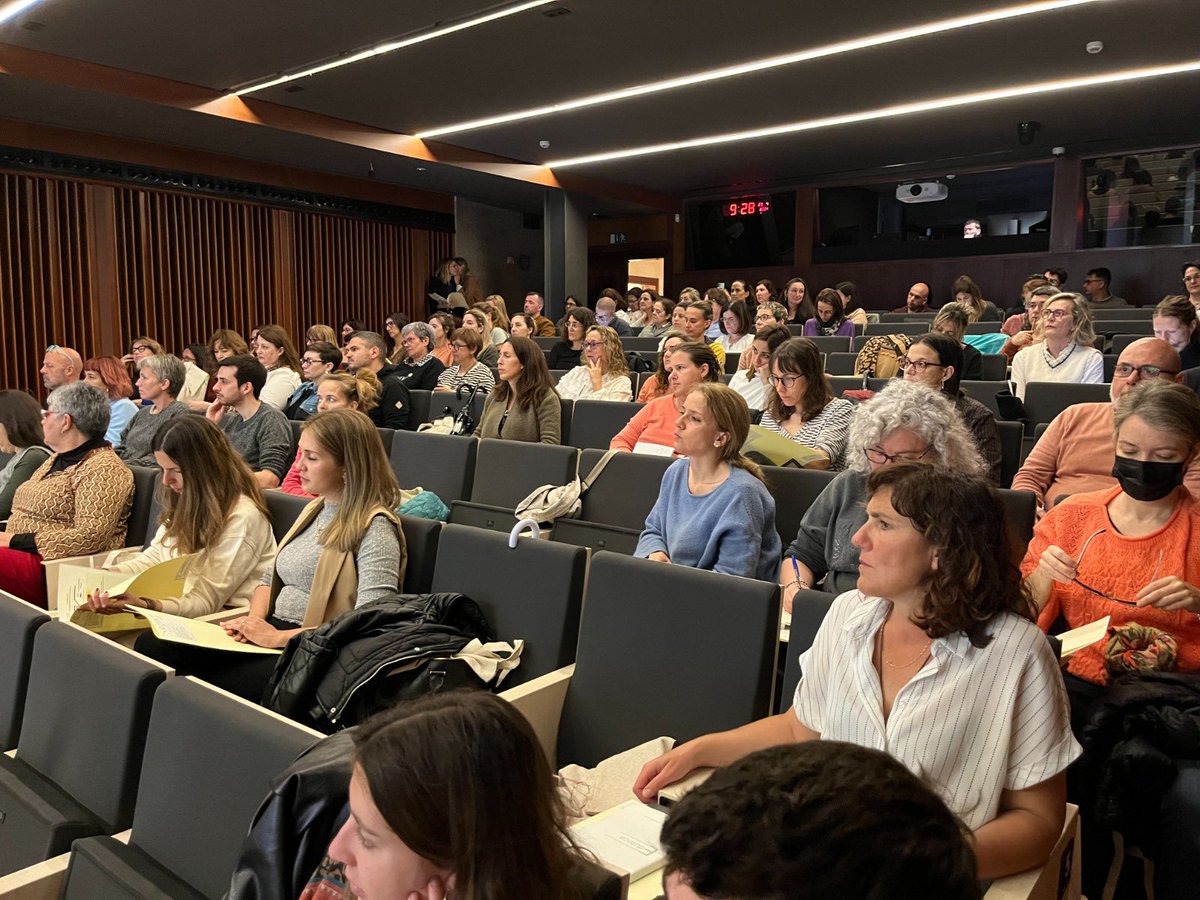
(918, 300)
(1076, 452)
(60, 365)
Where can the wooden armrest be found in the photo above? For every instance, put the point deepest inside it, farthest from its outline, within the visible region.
(541, 702)
(1059, 879)
(673, 793)
(42, 881)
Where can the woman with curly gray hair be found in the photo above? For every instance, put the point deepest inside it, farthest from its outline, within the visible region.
(904, 422)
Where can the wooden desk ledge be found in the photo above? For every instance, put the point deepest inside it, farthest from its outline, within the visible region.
(41, 881)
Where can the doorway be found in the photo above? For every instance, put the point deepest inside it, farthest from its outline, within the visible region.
(646, 273)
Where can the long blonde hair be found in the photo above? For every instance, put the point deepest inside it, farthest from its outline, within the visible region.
(353, 441)
(499, 311)
(215, 478)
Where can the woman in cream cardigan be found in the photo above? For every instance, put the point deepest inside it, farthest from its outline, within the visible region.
(345, 549)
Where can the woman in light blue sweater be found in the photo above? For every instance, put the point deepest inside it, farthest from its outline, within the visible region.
(714, 510)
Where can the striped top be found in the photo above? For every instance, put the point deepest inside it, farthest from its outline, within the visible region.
(478, 375)
(972, 723)
(826, 431)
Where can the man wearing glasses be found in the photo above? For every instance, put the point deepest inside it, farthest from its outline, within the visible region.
(60, 365)
(319, 359)
(1076, 452)
(1095, 288)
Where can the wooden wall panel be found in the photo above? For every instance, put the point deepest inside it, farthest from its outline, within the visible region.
(92, 266)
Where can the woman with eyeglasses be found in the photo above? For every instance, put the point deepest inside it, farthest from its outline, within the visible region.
(1175, 322)
(1191, 282)
(1025, 328)
(317, 361)
(604, 374)
(1067, 353)
(466, 343)
(737, 328)
(1132, 553)
(753, 380)
(802, 407)
(568, 352)
(935, 361)
(904, 422)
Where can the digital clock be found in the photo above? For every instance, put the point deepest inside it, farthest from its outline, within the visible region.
(738, 207)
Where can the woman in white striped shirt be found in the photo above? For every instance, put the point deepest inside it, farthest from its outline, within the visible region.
(801, 405)
(936, 660)
(465, 344)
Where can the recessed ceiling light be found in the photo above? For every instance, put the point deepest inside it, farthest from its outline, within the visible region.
(887, 112)
(9, 10)
(772, 62)
(388, 47)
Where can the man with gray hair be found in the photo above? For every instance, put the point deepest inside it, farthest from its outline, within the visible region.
(606, 314)
(368, 350)
(160, 379)
(420, 369)
(60, 365)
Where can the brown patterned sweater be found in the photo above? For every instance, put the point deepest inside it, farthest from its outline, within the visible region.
(82, 509)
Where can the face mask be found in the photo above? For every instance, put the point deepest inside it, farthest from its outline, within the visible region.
(1148, 481)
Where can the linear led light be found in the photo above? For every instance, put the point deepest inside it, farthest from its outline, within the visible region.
(391, 46)
(15, 8)
(887, 112)
(654, 87)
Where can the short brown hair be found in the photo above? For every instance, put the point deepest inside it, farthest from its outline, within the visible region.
(961, 516)
(469, 336)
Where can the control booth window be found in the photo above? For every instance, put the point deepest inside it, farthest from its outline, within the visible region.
(742, 230)
(963, 214)
(1142, 199)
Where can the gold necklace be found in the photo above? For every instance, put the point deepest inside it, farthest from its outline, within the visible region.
(891, 665)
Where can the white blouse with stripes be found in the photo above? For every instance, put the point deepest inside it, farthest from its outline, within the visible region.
(972, 723)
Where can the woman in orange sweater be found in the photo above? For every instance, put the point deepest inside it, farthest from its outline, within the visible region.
(1131, 552)
(652, 429)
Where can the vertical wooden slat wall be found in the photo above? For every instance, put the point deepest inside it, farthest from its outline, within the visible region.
(93, 266)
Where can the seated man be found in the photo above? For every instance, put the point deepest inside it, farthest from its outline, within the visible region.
(918, 300)
(61, 365)
(259, 432)
(1075, 454)
(534, 304)
(817, 819)
(1095, 288)
(606, 315)
(368, 350)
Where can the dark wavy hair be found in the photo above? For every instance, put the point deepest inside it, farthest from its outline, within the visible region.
(534, 382)
(800, 356)
(961, 516)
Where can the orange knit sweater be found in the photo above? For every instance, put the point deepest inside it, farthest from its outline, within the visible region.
(1120, 566)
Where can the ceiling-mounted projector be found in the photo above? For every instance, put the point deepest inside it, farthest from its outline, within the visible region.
(922, 192)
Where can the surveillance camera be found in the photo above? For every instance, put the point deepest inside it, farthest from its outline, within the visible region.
(545, 145)
(1059, 151)
(1026, 132)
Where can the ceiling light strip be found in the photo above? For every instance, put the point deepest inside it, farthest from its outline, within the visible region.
(654, 87)
(10, 10)
(391, 46)
(888, 112)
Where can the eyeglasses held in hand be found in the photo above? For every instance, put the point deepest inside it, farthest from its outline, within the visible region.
(1104, 594)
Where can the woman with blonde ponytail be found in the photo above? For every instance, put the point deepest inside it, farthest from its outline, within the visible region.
(338, 390)
(714, 510)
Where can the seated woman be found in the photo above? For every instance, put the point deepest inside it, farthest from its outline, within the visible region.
(345, 549)
(211, 505)
(109, 375)
(568, 353)
(1131, 552)
(851, 303)
(1067, 353)
(659, 321)
(466, 344)
(656, 385)
(160, 378)
(604, 374)
(339, 390)
(274, 349)
(20, 436)
(798, 306)
(419, 370)
(713, 511)
(830, 318)
(737, 328)
(523, 405)
(1175, 322)
(966, 291)
(200, 368)
(752, 379)
(935, 360)
(652, 428)
(522, 325)
(802, 406)
(938, 613)
(225, 343)
(479, 318)
(419, 829)
(76, 502)
(901, 423)
(952, 320)
(442, 325)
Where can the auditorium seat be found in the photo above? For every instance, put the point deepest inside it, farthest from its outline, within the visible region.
(1019, 517)
(1110, 366)
(532, 592)
(840, 383)
(995, 366)
(908, 328)
(565, 421)
(385, 435)
(685, 652)
(809, 609)
(442, 463)
(546, 342)
(19, 623)
(506, 472)
(1046, 399)
(596, 422)
(731, 362)
(831, 343)
(1121, 341)
(145, 483)
(75, 773)
(419, 403)
(840, 363)
(209, 761)
(640, 344)
(1142, 327)
(557, 374)
(984, 392)
(794, 491)
(421, 546)
(613, 513)
(283, 509)
(445, 403)
(1012, 436)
